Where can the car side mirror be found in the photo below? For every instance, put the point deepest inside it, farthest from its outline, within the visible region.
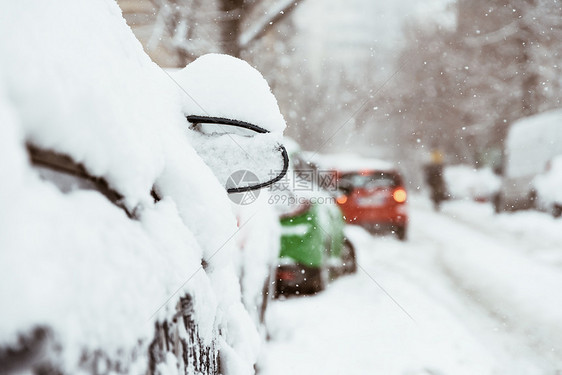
(345, 190)
(344, 187)
(241, 134)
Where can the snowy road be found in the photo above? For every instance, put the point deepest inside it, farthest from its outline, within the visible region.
(468, 293)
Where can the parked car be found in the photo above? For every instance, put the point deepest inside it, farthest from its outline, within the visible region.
(117, 250)
(531, 143)
(375, 199)
(35, 349)
(314, 249)
(371, 192)
(548, 186)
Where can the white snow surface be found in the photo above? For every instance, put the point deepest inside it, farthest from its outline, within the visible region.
(258, 240)
(74, 79)
(62, 80)
(224, 86)
(347, 162)
(467, 182)
(470, 292)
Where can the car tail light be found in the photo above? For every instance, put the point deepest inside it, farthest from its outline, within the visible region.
(399, 195)
(285, 275)
(341, 199)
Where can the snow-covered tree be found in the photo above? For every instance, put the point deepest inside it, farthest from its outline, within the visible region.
(183, 28)
(462, 87)
(193, 27)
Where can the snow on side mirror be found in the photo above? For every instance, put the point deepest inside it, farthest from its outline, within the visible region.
(232, 147)
(236, 126)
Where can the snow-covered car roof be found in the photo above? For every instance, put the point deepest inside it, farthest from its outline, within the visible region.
(532, 141)
(346, 162)
(70, 100)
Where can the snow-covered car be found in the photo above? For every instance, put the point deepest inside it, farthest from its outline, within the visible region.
(548, 186)
(372, 192)
(375, 199)
(118, 249)
(467, 182)
(314, 249)
(531, 143)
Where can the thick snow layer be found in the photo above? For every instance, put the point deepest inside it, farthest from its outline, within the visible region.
(532, 142)
(74, 79)
(71, 74)
(229, 153)
(291, 145)
(466, 182)
(347, 162)
(224, 86)
(77, 264)
(259, 244)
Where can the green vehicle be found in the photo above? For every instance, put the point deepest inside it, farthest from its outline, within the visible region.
(314, 249)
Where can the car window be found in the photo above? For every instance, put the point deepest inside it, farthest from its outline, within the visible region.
(69, 176)
(370, 180)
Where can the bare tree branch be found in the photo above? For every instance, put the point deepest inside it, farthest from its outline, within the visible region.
(277, 13)
(497, 36)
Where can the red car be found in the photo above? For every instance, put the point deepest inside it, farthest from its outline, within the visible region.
(374, 199)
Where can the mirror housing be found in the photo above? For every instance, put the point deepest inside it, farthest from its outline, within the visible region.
(218, 125)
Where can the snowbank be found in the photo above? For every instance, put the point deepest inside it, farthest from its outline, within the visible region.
(466, 182)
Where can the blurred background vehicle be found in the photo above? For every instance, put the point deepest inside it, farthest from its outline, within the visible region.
(372, 192)
(375, 199)
(531, 142)
(548, 186)
(314, 249)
